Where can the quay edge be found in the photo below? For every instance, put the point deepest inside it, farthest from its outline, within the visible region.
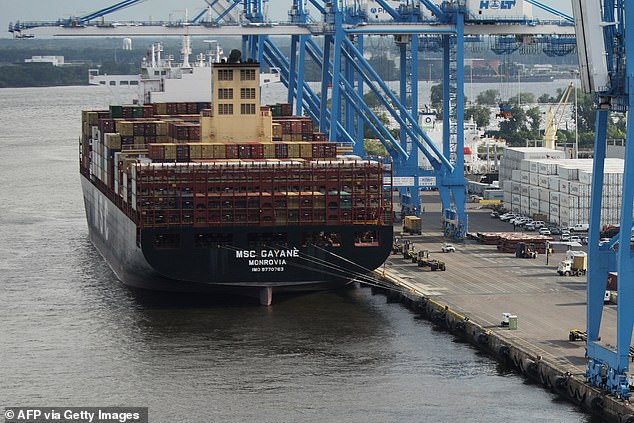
(531, 365)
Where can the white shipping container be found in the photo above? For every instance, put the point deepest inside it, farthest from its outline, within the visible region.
(554, 198)
(544, 194)
(554, 211)
(553, 183)
(533, 167)
(524, 202)
(490, 10)
(547, 168)
(585, 177)
(524, 177)
(516, 187)
(525, 190)
(568, 173)
(533, 203)
(516, 175)
(534, 192)
(543, 181)
(533, 179)
(515, 199)
(564, 186)
(544, 207)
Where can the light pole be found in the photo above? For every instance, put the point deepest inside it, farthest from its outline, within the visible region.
(575, 72)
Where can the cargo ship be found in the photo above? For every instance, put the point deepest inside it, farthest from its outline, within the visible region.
(230, 196)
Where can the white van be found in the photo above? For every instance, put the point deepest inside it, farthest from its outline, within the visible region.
(580, 227)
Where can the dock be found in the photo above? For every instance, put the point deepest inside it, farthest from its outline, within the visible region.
(481, 283)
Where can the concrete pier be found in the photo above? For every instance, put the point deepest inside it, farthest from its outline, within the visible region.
(481, 283)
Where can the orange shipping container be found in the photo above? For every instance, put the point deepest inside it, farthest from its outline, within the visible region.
(306, 150)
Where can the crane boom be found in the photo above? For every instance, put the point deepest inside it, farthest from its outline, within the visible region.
(553, 119)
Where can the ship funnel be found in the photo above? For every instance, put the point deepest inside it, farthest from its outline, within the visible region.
(235, 56)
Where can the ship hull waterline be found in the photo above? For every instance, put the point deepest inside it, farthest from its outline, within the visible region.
(240, 268)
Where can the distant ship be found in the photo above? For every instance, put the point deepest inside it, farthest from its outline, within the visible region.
(230, 196)
(162, 79)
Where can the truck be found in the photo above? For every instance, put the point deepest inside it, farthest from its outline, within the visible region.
(580, 227)
(433, 264)
(524, 250)
(412, 225)
(575, 264)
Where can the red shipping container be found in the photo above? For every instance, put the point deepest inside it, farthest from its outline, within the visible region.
(148, 111)
(106, 125)
(257, 151)
(286, 126)
(181, 108)
(286, 109)
(613, 278)
(194, 132)
(192, 108)
(156, 151)
(296, 127)
(307, 126)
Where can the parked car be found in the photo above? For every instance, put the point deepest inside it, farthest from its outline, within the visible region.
(530, 226)
(555, 230)
(448, 248)
(507, 216)
(575, 238)
(565, 237)
(539, 224)
(494, 214)
(544, 231)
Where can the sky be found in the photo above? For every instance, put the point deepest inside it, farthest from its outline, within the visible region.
(43, 10)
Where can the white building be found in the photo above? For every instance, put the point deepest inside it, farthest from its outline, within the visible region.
(54, 60)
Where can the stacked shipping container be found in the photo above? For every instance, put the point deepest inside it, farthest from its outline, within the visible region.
(157, 170)
(541, 182)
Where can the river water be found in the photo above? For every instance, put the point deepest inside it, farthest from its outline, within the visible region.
(72, 335)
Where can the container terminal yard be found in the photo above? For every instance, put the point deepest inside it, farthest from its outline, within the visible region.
(481, 284)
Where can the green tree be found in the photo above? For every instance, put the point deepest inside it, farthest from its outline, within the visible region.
(374, 147)
(480, 114)
(436, 96)
(527, 98)
(586, 112)
(488, 97)
(544, 98)
(371, 100)
(534, 117)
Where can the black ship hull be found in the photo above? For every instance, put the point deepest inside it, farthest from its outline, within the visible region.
(232, 259)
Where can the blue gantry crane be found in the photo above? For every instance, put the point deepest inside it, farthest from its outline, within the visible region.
(335, 42)
(605, 34)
